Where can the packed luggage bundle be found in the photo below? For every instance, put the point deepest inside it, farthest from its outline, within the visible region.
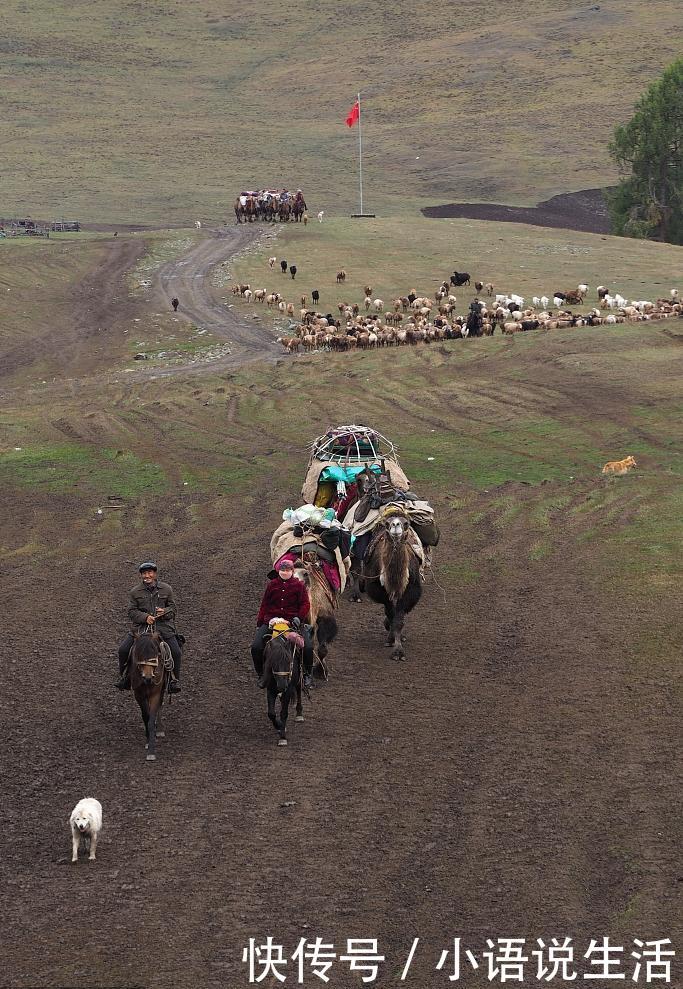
(314, 530)
(420, 514)
(340, 455)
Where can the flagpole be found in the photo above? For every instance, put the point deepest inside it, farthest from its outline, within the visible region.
(360, 155)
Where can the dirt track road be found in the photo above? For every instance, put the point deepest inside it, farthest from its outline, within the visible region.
(188, 278)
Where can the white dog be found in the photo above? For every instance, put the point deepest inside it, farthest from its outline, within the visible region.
(86, 823)
(321, 215)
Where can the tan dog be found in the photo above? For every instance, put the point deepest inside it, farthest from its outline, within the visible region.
(619, 466)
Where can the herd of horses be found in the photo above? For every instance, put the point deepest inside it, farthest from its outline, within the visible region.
(383, 565)
(249, 209)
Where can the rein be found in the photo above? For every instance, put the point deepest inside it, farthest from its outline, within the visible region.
(160, 668)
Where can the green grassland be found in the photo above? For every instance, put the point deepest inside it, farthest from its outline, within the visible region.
(160, 112)
(397, 254)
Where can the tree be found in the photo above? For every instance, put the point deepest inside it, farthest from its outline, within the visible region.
(648, 202)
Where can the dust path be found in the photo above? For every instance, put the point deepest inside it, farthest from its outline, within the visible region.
(189, 278)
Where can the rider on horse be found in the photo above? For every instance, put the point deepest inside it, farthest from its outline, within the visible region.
(151, 608)
(285, 597)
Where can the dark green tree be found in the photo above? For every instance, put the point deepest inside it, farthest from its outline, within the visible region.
(648, 202)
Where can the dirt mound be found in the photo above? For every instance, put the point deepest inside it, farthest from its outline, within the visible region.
(586, 210)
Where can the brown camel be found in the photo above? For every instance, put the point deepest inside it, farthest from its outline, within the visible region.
(391, 575)
(323, 603)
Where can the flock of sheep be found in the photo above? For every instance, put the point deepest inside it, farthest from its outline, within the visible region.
(413, 319)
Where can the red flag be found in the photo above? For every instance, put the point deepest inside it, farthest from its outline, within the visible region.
(354, 114)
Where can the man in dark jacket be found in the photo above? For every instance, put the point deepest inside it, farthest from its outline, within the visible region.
(285, 597)
(151, 606)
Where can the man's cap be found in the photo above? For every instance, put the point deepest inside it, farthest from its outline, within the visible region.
(147, 566)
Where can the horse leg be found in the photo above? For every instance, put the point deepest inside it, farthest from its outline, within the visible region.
(152, 732)
(164, 687)
(272, 697)
(284, 711)
(144, 710)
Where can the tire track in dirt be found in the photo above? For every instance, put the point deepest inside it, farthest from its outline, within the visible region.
(189, 279)
(97, 302)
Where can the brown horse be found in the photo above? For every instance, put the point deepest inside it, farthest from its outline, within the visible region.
(391, 576)
(150, 670)
(299, 207)
(247, 212)
(323, 601)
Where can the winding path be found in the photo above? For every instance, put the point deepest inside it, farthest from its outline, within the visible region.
(188, 278)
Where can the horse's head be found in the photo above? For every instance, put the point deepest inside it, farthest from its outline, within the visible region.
(366, 480)
(147, 656)
(279, 662)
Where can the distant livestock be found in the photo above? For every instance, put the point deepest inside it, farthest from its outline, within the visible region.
(460, 278)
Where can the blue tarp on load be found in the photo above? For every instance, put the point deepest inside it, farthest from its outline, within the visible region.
(348, 474)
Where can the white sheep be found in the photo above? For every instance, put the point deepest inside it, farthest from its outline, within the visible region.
(379, 305)
(557, 302)
(544, 301)
(583, 289)
(198, 224)
(674, 293)
(271, 262)
(321, 215)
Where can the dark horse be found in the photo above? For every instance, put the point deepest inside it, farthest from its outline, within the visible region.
(299, 207)
(149, 676)
(282, 674)
(391, 576)
(475, 320)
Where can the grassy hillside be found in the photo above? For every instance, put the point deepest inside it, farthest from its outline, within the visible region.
(160, 112)
(395, 255)
(506, 433)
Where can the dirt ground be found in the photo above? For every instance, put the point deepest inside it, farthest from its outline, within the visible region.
(517, 777)
(584, 210)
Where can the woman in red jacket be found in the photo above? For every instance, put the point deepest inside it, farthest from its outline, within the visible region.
(285, 597)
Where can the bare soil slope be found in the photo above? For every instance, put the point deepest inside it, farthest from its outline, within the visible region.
(585, 210)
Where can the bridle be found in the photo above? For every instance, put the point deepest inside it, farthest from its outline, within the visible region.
(155, 662)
